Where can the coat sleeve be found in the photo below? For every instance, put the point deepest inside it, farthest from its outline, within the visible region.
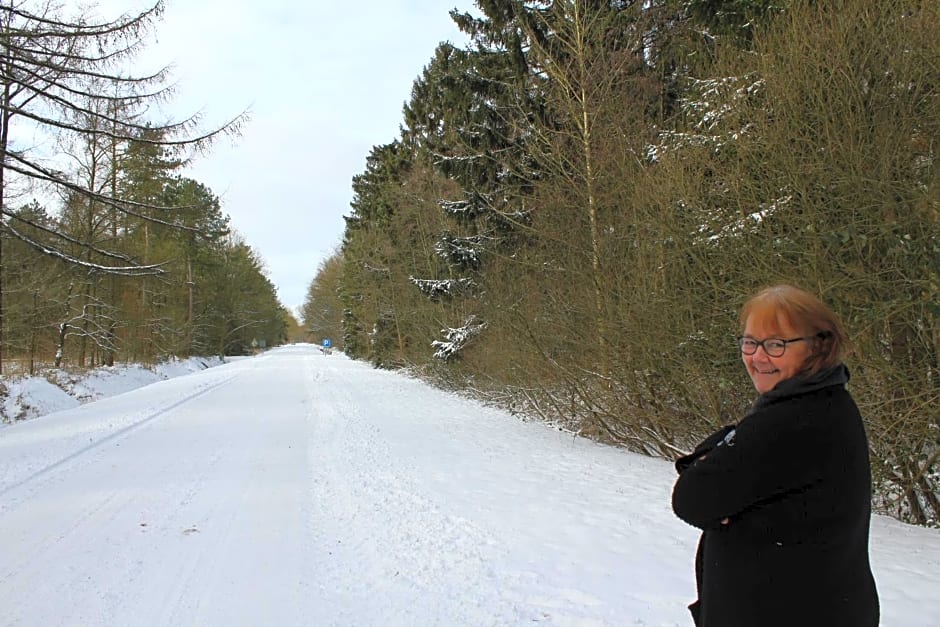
(772, 454)
(704, 447)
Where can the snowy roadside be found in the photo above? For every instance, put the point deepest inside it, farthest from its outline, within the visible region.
(299, 489)
(23, 398)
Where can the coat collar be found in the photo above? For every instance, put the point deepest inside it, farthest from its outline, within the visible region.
(828, 377)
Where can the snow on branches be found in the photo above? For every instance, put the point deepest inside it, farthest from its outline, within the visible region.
(457, 338)
(726, 223)
(439, 288)
(715, 100)
(463, 252)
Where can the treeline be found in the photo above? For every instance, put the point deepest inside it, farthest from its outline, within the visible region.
(211, 297)
(108, 252)
(580, 201)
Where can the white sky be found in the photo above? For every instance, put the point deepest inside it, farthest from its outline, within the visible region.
(324, 80)
(298, 488)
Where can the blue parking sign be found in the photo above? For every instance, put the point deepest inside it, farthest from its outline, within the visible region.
(326, 342)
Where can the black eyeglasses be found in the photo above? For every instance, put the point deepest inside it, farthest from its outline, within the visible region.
(774, 347)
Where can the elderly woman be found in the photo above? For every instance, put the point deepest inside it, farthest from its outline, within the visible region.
(783, 498)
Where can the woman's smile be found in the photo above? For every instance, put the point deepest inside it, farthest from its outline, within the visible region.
(766, 371)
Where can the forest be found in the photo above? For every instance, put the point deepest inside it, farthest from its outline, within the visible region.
(108, 252)
(581, 199)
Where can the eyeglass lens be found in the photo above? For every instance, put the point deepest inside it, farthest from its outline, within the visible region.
(773, 347)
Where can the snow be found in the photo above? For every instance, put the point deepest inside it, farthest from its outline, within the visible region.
(457, 338)
(300, 488)
(29, 397)
(34, 396)
(437, 288)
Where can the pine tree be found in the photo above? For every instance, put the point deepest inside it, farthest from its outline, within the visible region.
(52, 68)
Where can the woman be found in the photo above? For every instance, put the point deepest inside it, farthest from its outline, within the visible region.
(783, 498)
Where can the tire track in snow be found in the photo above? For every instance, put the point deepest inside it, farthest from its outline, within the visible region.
(168, 526)
(161, 512)
(120, 433)
(248, 529)
(41, 545)
(107, 517)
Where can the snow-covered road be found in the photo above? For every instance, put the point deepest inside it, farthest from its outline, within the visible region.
(297, 488)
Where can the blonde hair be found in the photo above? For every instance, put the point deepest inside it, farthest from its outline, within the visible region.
(807, 315)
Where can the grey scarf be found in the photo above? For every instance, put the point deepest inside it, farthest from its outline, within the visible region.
(836, 375)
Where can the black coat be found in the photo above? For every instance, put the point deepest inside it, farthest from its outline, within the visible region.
(793, 482)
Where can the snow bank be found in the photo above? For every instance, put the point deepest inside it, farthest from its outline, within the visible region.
(31, 397)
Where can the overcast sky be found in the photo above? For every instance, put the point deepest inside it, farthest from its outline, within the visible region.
(324, 81)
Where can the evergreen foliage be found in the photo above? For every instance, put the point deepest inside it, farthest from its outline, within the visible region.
(615, 178)
(136, 262)
(322, 310)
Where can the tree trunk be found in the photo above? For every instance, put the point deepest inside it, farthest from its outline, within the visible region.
(4, 142)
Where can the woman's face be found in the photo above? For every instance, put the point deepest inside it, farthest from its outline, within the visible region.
(766, 371)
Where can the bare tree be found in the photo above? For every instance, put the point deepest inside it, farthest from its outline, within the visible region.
(51, 69)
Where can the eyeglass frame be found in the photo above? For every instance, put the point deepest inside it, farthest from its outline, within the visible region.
(762, 344)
